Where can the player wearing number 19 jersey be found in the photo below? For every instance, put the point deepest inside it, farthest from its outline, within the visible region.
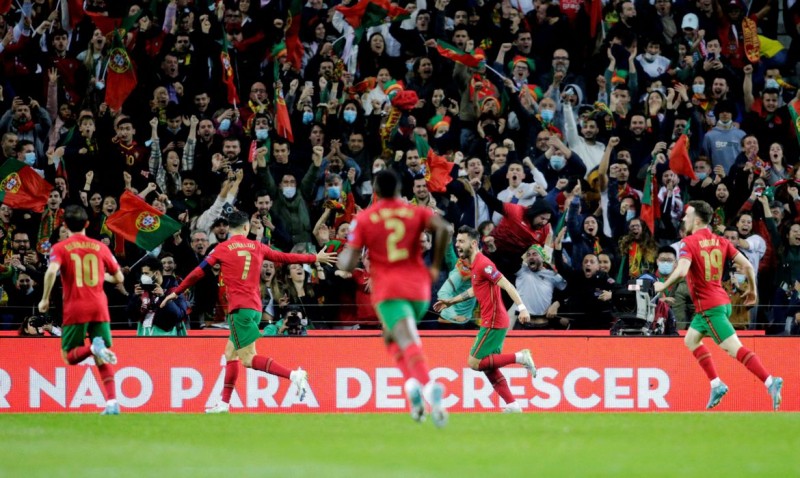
(240, 259)
(390, 230)
(83, 263)
(703, 255)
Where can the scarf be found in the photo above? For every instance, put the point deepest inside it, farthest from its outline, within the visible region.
(635, 260)
(26, 127)
(117, 243)
(51, 221)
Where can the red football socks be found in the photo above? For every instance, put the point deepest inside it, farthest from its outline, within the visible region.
(416, 363)
(397, 355)
(107, 376)
(703, 356)
(752, 362)
(231, 374)
(497, 361)
(269, 365)
(498, 381)
(79, 354)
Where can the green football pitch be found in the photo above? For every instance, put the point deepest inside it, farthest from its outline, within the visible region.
(391, 445)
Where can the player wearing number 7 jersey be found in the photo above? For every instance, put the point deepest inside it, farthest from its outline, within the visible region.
(84, 264)
(401, 288)
(703, 255)
(240, 259)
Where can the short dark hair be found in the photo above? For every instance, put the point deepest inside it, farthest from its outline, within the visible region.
(21, 145)
(387, 184)
(473, 233)
(702, 210)
(75, 218)
(237, 219)
(153, 264)
(666, 250)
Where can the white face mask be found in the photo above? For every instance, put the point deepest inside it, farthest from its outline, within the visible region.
(289, 192)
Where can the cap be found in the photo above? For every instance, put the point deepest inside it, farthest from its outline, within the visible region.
(690, 20)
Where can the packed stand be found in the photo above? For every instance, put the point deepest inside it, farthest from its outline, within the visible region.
(552, 129)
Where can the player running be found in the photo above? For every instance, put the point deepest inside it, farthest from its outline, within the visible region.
(401, 287)
(486, 354)
(84, 264)
(240, 259)
(702, 257)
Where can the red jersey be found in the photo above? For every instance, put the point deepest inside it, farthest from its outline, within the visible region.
(240, 259)
(84, 263)
(514, 234)
(390, 229)
(485, 277)
(708, 253)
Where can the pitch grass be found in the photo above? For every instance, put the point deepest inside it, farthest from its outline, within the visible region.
(391, 445)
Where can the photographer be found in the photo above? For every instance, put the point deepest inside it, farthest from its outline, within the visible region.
(37, 325)
(143, 306)
(294, 322)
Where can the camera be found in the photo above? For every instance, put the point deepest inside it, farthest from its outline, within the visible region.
(148, 287)
(296, 322)
(635, 310)
(40, 320)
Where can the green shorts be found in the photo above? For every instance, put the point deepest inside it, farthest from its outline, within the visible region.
(75, 335)
(488, 342)
(393, 311)
(244, 327)
(714, 322)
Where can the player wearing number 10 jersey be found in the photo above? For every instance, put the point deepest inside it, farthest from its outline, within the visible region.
(84, 264)
(703, 255)
(390, 230)
(240, 259)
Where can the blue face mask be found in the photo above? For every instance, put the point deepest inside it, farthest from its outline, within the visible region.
(701, 176)
(308, 117)
(548, 115)
(30, 159)
(698, 89)
(630, 214)
(772, 84)
(739, 278)
(557, 162)
(665, 268)
(262, 134)
(333, 192)
(225, 125)
(349, 116)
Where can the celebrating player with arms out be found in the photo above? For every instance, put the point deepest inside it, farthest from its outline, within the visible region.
(487, 282)
(84, 263)
(240, 259)
(401, 288)
(702, 257)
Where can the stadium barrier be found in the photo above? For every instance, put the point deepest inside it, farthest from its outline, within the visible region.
(354, 375)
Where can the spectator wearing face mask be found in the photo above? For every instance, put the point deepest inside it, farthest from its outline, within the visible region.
(677, 295)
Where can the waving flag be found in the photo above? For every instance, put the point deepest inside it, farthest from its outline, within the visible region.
(437, 168)
(21, 187)
(140, 223)
(456, 54)
(679, 161)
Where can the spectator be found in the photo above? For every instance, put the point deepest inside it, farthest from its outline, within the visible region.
(144, 305)
(536, 282)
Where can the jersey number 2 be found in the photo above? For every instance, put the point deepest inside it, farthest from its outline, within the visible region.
(398, 232)
(713, 263)
(247, 259)
(86, 270)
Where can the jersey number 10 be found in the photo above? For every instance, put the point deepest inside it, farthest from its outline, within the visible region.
(86, 270)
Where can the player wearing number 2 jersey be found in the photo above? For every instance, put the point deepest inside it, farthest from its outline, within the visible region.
(240, 259)
(401, 288)
(703, 255)
(84, 264)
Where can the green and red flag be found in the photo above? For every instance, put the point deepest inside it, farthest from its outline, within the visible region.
(794, 111)
(651, 209)
(120, 76)
(370, 13)
(227, 72)
(283, 125)
(679, 161)
(22, 188)
(293, 44)
(140, 223)
(437, 168)
(456, 54)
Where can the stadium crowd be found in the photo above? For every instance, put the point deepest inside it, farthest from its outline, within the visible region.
(550, 127)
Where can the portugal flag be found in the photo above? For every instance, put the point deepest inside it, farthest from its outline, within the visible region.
(370, 13)
(294, 46)
(679, 161)
(651, 210)
(283, 125)
(437, 168)
(22, 188)
(140, 223)
(457, 55)
(121, 77)
(227, 73)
